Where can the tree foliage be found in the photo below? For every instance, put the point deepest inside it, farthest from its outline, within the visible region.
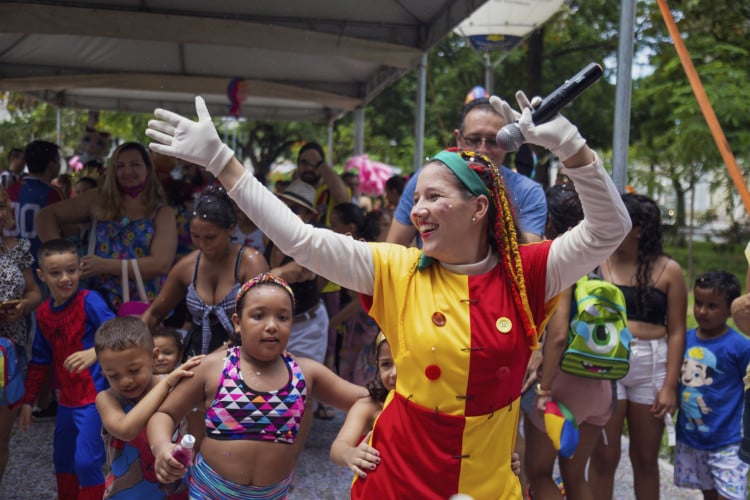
(668, 130)
(671, 146)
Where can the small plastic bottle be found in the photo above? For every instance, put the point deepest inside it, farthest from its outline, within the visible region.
(183, 452)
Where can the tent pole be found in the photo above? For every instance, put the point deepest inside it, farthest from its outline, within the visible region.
(489, 77)
(359, 130)
(419, 116)
(59, 126)
(329, 141)
(623, 91)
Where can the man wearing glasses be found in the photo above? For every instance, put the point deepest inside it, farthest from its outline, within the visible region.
(330, 189)
(478, 124)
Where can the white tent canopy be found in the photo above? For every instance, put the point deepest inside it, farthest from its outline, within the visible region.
(302, 60)
(508, 17)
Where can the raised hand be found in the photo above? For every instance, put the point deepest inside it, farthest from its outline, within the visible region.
(558, 135)
(504, 109)
(184, 370)
(196, 142)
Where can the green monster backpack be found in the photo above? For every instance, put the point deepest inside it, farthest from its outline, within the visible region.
(598, 338)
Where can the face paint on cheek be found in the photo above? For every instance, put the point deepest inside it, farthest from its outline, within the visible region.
(442, 205)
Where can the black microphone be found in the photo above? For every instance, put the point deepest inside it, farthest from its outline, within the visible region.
(510, 138)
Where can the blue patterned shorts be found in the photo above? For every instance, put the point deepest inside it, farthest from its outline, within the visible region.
(720, 470)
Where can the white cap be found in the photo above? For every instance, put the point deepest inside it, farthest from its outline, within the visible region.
(187, 441)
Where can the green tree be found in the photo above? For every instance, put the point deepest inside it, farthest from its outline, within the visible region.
(668, 130)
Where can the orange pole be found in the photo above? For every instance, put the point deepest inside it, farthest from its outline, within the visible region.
(705, 105)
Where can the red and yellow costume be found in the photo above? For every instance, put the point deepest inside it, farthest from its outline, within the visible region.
(461, 353)
(460, 336)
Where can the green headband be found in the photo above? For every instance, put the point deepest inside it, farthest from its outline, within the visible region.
(461, 169)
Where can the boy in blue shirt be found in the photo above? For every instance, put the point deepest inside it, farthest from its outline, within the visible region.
(711, 394)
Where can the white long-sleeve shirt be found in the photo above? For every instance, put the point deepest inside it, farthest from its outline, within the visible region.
(348, 262)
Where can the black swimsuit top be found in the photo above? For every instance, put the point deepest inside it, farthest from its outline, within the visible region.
(656, 305)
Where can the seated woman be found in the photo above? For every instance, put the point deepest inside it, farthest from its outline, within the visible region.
(208, 277)
(130, 218)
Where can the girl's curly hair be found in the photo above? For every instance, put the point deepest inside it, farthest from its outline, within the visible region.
(644, 213)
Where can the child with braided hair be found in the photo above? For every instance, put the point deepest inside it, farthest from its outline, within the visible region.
(461, 315)
(255, 395)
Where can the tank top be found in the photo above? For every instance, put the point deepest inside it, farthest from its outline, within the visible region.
(656, 305)
(240, 412)
(204, 315)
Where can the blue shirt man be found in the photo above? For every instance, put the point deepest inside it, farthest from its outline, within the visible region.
(478, 124)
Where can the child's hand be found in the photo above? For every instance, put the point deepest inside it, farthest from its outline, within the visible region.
(541, 402)
(79, 361)
(515, 464)
(666, 402)
(167, 467)
(24, 418)
(363, 457)
(183, 370)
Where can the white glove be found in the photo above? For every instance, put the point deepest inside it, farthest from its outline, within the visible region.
(558, 135)
(196, 142)
(509, 114)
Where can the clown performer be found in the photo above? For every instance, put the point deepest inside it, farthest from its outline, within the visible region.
(461, 315)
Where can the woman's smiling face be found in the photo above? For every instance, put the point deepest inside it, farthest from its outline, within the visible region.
(130, 169)
(442, 214)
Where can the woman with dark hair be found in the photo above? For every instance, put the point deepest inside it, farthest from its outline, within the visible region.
(131, 220)
(461, 315)
(589, 400)
(209, 276)
(656, 300)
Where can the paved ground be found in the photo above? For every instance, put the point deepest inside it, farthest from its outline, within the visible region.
(30, 474)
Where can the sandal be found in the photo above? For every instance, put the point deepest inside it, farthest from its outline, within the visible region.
(323, 413)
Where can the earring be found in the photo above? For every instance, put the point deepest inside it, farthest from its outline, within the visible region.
(473, 219)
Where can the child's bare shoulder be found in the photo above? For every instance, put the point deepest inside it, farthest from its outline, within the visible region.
(367, 406)
(212, 363)
(309, 367)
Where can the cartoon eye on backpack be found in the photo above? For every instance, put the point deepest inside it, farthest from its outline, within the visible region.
(598, 338)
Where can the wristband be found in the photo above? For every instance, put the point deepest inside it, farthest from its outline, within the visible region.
(541, 392)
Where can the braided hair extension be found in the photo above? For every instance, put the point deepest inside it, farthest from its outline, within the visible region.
(504, 235)
(644, 213)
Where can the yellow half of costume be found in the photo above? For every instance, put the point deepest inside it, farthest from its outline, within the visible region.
(461, 354)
